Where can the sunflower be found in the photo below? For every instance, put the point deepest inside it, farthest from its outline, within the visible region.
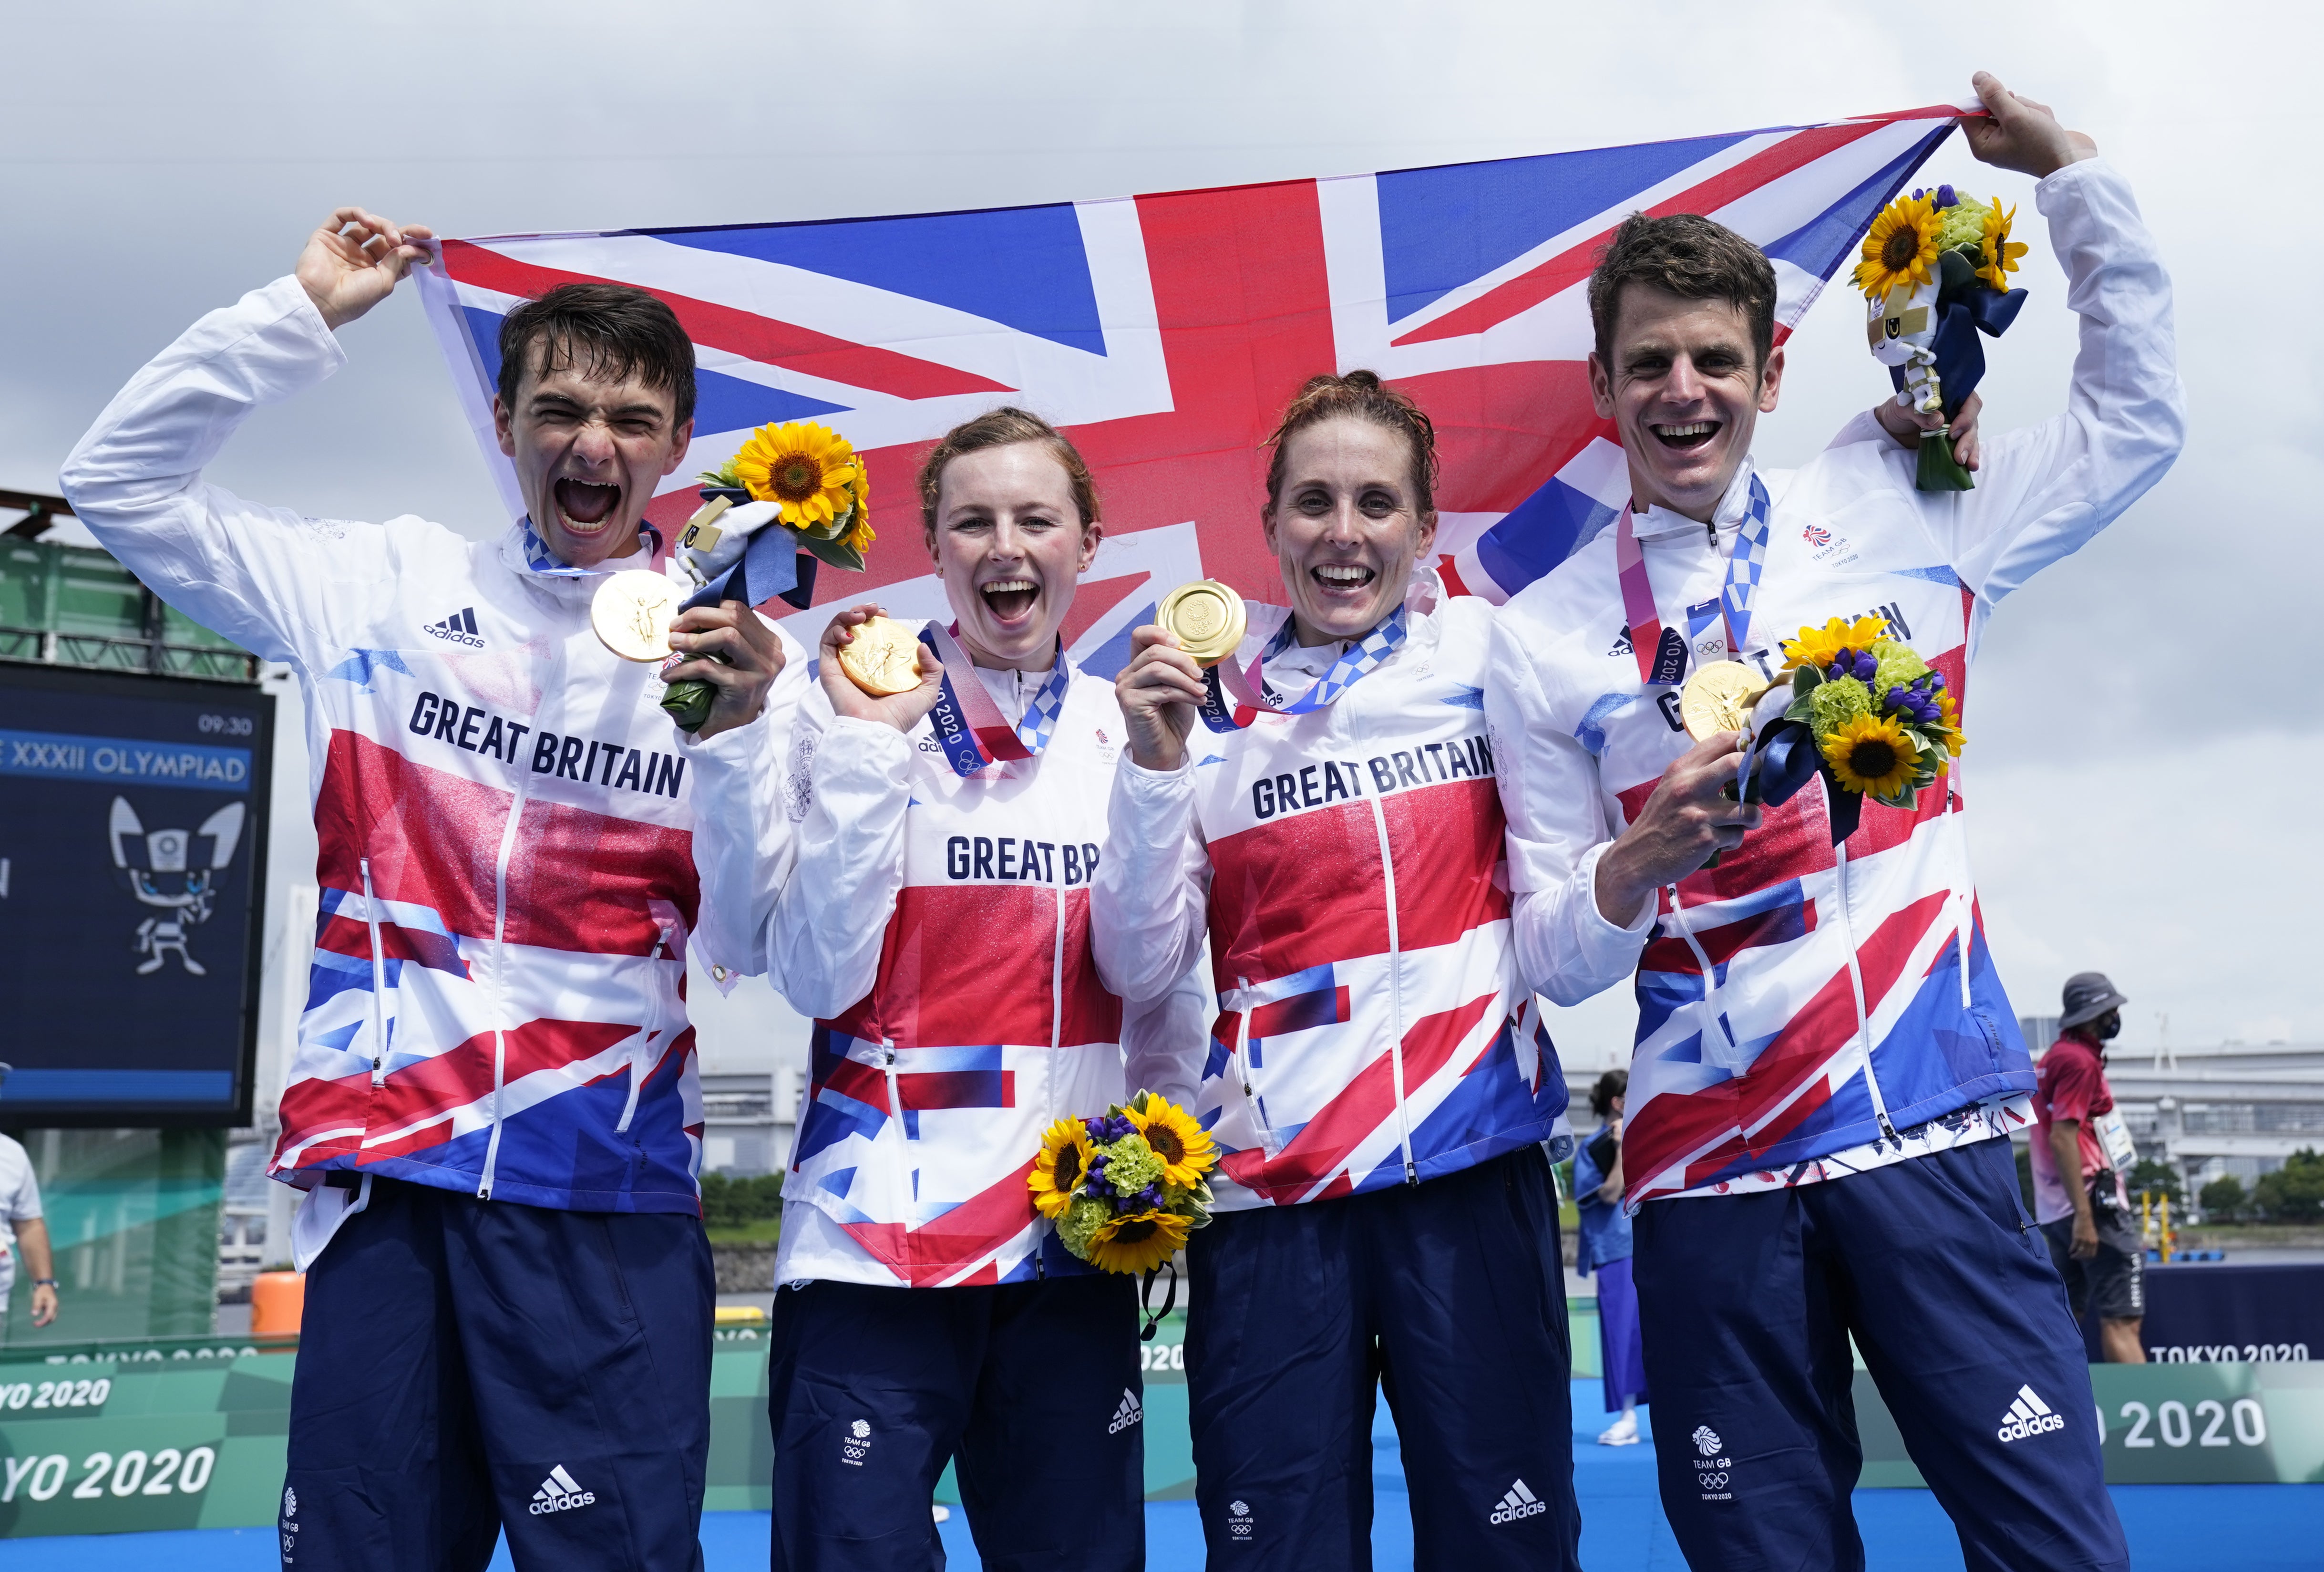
(1138, 1242)
(1819, 647)
(1871, 755)
(1064, 1159)
(1183, 1146)
(1901, 251)
(1948, 727)
(1999, 253)
(808, 468)
(859, 532)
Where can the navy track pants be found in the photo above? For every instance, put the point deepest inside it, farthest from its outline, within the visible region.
(467, 1366)
(1748, 1301)
(1035, 1386)
(1449, 1296)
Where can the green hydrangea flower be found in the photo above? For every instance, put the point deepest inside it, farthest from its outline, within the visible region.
(1081, 1223)
(1837, 701)
(1963, 224)
(1898, 666)
(1131, 1164)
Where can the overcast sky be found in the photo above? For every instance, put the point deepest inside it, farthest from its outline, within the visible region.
(2145, 746)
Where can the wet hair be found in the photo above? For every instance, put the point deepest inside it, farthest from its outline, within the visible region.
(600, 330)
(1363, 396)
(1613, 1084)
(1687, 255)
(999, 429)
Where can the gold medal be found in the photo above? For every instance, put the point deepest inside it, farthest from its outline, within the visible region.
(884, 657)
(1719, 697)
(631, 614)
(1207, 618)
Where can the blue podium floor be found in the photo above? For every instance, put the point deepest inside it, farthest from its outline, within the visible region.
(2185, 1528)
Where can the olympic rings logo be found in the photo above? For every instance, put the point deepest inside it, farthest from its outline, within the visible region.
(1712, 1481)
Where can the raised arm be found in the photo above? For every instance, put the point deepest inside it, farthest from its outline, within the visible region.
(2044, 491)
(1149, 903)
(263, 577)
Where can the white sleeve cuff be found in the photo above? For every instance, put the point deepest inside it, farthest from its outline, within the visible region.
(1595, 926)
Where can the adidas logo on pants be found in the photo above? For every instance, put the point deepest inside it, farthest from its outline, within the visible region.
(558, 1492)
(2028, 1416)
(1127, 1415)
(1519, 1502)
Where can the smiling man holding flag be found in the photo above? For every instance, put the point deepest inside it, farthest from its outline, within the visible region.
(1825, 1059)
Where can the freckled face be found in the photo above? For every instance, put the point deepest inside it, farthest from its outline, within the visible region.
(1011, 548)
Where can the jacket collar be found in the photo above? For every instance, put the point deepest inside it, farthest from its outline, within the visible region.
(522, 553)
(1660, 523)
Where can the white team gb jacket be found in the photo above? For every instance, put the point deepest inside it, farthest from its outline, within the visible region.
(508, 893)
(1348, 865)
(1805, 999)
(936, 929)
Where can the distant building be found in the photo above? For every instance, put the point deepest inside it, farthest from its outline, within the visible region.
(747, 1120)
(2235, 1109)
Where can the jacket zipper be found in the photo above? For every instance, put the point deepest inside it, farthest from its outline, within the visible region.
(1714, 1021)
(1856, 980)
(1243, 1008)
(378, 980)
(644, 1039)
(1057, 1032)
(1963, 911)
(1395, 991)
(499, 988)
(895, 1112)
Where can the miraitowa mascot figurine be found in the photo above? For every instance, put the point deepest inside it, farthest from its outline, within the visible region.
(1934, 274)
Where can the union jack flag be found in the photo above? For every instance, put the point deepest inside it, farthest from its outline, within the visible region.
(1164, 333)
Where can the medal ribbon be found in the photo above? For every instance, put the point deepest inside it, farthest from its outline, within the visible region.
(1746, 561)
(538, 558)
(970, 727)
(1360, 659)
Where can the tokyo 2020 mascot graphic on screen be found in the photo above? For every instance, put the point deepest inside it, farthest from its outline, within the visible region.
(160, 869)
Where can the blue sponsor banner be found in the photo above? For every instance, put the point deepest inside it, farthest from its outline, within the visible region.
(124, 761)
(99, 1086)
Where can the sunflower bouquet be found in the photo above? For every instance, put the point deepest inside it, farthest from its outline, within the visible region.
(819, 487)
(1125, 1190)
(1935, 273)
(803, 477)
(1879, 714)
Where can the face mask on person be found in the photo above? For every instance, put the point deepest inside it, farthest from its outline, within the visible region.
(2107, 1027)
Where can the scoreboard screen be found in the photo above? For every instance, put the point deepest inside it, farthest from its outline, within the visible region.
(132, 864)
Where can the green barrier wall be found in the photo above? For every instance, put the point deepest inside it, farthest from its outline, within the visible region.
(2165, 1424)
(134, 1218)
(195, 1437)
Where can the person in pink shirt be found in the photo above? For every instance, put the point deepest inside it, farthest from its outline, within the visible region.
(2098, 1249)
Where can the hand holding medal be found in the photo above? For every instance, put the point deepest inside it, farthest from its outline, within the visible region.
(876, 669)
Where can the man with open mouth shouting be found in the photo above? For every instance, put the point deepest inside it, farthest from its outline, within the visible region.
(494, 1108)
